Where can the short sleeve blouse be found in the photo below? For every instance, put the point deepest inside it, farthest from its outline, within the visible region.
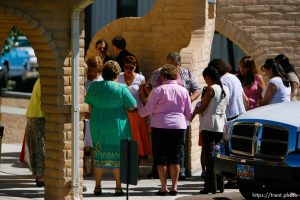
(134, 87)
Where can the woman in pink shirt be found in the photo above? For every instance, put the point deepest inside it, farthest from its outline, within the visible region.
(253, 83)
(170, 107)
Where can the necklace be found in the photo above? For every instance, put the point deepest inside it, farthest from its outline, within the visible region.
(129, 78)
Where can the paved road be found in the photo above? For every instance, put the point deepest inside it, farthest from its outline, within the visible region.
(12, 110)
(16, 182)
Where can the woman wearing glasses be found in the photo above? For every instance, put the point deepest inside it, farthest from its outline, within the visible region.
(101, 49)
(138, 124)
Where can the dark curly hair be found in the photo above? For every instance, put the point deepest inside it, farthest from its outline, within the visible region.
(219, 65)
(214, 75)
(277, 70)
(119, 42)
(285, 64)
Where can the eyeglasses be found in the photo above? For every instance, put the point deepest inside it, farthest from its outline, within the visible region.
(101, 48)
(129, 66)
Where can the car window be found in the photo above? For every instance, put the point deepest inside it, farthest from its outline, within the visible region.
(23, 43)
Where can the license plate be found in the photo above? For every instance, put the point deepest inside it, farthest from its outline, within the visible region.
(245, 172)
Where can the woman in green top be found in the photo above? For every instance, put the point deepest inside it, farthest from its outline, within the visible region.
(108, 102)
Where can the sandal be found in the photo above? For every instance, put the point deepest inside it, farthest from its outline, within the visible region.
(173, 192)
(98, 191)
(39, 183)
(161, 193)
(119, 192)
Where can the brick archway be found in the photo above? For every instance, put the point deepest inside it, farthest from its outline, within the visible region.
(52, 49)
(34, 31)
(241, 38)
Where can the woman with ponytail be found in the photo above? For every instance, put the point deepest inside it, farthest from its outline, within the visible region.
(278, 88)
(212, 121)
(291, 73)
(238, 101)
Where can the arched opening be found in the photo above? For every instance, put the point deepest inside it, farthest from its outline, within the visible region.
(18, 63)
(242, 39)
(227, 50)
(18, 73)
(12, 109)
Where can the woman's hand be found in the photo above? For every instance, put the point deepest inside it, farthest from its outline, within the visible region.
(144, 92)
(196, 111)
(246, 101)
(132, 110)
(271, 90)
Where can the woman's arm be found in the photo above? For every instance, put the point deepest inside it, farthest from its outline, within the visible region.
(150, 105)
(195, 95)
(245, 100)
(129, 101)
(261, 86)
(188, 109)
(144, 93)
(209, 94)
(271, 90)
(294, 87)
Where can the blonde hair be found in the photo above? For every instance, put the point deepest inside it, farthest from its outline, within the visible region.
(169, 72)
(95, 62)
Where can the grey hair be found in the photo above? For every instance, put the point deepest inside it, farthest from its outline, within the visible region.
(174, 56)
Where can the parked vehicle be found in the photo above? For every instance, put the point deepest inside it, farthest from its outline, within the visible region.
(264, 152)
(17, 62)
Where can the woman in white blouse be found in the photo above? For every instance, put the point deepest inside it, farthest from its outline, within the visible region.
(278, 88)
(138, 124)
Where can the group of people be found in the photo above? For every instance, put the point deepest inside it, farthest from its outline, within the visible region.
(121, 101)
(125, 100)
(166, 98)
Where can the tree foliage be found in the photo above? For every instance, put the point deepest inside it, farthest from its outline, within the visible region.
(12, 38)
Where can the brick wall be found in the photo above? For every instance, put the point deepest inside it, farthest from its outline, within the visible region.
(262, 28)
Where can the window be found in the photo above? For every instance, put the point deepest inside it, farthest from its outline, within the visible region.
(127, 8)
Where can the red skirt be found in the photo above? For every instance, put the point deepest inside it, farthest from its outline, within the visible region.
(140, 133)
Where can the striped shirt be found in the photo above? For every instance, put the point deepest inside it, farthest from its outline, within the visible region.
(186, 79)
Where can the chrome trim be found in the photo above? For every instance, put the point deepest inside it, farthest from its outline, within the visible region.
(242, 137)
(257, 140)
(252, 161)
(242, 153)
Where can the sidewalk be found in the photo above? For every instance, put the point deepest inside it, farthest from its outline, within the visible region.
(17, 183)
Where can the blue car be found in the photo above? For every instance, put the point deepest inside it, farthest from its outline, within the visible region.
(17, 62)
(263, 152)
